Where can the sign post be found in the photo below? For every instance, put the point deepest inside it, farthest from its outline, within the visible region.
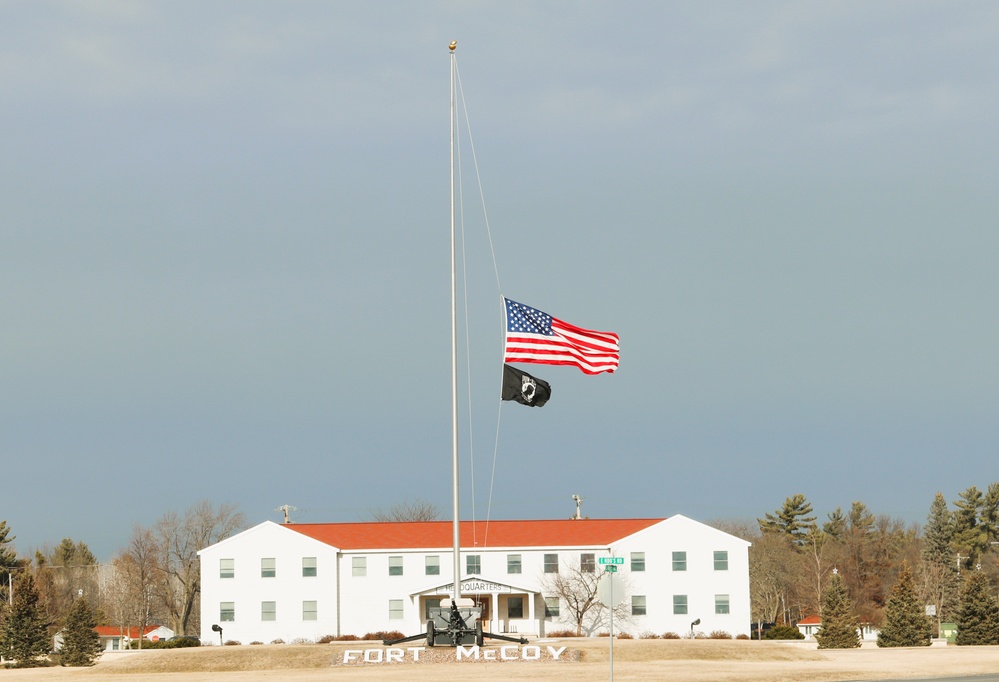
(610, 592)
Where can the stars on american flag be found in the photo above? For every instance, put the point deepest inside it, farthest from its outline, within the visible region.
(523, 318)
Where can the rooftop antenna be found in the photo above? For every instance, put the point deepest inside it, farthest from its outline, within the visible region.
(579, 504)
(287, 509)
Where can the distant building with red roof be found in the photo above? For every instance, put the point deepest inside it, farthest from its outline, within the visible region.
(114, 638)
(305, 581)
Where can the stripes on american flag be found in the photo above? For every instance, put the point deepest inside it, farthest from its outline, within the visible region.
(535, 336)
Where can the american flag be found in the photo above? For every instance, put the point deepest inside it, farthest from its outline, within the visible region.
(534, 336)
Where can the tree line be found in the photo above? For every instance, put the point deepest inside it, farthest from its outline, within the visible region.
(794, 558)
(154, 580)
(794, 562)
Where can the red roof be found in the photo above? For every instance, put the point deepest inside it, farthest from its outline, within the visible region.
(810, 620)
(438, 534)
(115, 631)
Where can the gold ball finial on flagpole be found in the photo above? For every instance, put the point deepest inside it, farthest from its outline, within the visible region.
(453, 45)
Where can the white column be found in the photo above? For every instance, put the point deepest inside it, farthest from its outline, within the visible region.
(495, 601)
(530, 612)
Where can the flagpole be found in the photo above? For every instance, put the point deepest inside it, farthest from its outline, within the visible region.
(456, 527)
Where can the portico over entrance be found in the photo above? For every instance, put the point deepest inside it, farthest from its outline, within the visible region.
(505, 608)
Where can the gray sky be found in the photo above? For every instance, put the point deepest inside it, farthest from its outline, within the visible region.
(224, 256)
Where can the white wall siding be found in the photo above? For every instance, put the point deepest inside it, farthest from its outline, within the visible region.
(357, 605)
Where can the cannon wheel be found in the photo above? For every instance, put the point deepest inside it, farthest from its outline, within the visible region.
(479, 639)
(430, 632)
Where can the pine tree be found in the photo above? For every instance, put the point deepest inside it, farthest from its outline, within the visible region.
(969, 535)
(941, 577)
(905, 621)
(792, 520)
(25, 635)
(81, 645)
(8, 557)
(839, 629)
(978, 617)
(836, 524)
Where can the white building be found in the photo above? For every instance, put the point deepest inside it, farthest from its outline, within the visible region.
(305, 581)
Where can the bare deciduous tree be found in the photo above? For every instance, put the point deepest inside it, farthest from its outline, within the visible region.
(179, 538)
(138, 576)
(576, 587)
(419, 510)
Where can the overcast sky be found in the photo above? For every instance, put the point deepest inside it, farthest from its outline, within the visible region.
(224, 257)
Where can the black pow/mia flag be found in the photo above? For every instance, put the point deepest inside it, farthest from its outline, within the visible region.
(524, 388)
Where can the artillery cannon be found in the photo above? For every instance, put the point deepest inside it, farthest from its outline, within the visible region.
(455, 623)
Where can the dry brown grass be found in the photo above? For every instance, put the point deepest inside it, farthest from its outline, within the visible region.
(320, 656)
(638, 660)
(224, 659)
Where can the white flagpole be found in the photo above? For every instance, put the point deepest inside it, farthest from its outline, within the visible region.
(456, 530)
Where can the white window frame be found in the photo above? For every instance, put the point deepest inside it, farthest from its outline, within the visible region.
(310, 610)
(551, 563)
(396, 609)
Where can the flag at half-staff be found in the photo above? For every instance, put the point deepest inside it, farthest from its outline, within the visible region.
(535, 336)
(525, 389)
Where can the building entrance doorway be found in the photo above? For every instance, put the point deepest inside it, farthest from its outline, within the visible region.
(485, 603)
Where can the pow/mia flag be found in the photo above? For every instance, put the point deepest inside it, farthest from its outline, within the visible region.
(524, 388)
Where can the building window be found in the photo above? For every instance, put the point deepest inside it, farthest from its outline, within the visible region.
(395, 565)
(395, 609)
(637, 561)
(638, 605)
(551, 563)
(432, 603)
(551, 607)
(679, 561)
(679, 604)
(473, 564)
(309, 567)
(587, 563)
(513, 564)
(227, 611)
(514, 607)
(721, 603)
(721, 561)
(227, 568)
(433, 565)
(268, 610)
(359, 566)
(268, 568)
(309, 611)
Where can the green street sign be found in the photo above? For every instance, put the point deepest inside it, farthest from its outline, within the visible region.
(610, 569)
(619, 560)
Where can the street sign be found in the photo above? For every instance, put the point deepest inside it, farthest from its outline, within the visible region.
(611, 590)
(610, 569)
(612, 560)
